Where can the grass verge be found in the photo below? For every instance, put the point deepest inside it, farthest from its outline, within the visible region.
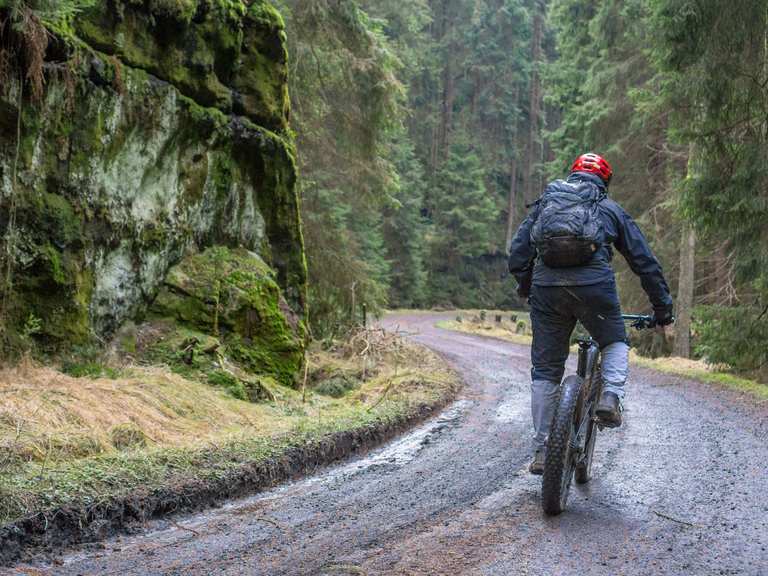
(703, 372)
(470, 323)
(83, 457)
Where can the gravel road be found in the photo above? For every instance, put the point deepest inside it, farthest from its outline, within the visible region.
(681, 489)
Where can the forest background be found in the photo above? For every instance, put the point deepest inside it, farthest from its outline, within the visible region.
(426, 127)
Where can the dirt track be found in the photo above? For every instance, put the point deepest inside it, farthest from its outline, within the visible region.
(681, 489)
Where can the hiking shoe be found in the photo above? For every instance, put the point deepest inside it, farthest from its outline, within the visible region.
(537, 465)
(609, 410)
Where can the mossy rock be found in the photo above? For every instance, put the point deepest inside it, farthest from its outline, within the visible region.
(122, 170)
(233, 294)
(223, 54)
(187, 352)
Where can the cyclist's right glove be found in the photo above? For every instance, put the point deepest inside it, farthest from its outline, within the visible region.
(663, 317)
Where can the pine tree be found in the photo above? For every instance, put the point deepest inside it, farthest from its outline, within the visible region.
(463, 222)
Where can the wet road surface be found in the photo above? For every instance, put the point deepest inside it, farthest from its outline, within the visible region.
(681, 489)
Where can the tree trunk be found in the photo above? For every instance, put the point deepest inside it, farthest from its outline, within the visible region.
(512, 200)
(449, 95)
(685, 292)
(534, 107)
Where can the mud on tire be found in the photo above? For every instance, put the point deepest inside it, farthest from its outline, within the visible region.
(559, 463)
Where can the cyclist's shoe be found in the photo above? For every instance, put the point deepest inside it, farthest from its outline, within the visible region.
(609, 410)
(537, 465)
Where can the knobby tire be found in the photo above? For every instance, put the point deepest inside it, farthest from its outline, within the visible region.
(559, 463)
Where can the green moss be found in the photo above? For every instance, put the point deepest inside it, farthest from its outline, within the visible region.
(154, 236)
(233, 292)
(233, 10)
(179, 10)
(231, 50)
(185, 351)
(231, 383)
(266, 14)
(55, 219)
(54, 260)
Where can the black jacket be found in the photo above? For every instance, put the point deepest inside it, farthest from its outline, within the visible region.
(620, 231)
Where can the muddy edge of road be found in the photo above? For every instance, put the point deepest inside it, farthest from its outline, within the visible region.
(55, 530)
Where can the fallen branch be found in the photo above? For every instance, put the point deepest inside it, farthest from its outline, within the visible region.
(269, 521)
(180, 527)
(660, 515)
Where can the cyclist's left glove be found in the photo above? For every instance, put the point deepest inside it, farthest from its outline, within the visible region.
(524, 285)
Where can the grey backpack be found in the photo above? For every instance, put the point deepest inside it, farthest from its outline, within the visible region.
(568, 230)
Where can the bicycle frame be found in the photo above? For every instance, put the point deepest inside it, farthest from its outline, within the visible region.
(588, 362)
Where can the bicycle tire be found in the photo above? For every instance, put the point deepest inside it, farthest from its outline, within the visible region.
(559, 464)
(583, 472)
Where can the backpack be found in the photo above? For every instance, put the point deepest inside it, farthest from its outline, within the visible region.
(568, 230)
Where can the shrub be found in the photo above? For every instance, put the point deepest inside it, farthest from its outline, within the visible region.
(336, 386)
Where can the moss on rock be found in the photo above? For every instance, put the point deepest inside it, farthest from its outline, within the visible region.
(163, 134)
(232, 293)
(221, 53)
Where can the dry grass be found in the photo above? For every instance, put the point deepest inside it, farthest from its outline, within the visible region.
(46, 415)
(385, 365)
(700, 370)
(66, 440)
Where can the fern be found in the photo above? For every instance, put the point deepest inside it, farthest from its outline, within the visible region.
(47, 11)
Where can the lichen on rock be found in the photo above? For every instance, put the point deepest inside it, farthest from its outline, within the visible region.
(162, 138)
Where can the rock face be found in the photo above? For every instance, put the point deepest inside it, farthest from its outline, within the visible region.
(162, 132)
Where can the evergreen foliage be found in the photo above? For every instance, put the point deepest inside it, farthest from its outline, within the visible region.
(419, 144)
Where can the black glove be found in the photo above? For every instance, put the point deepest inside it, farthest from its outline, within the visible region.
(524, 286)
(663, 317)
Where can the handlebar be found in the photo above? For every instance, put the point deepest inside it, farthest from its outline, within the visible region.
(640, 322)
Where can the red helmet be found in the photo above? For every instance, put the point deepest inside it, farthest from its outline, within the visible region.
(595, 164)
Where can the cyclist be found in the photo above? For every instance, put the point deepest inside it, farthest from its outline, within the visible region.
(572, 226)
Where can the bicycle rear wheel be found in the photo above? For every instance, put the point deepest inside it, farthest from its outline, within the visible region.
(560, 461)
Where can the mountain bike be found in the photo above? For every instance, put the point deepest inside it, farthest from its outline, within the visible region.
(571, 442)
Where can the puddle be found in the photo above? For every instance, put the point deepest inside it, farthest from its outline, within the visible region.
(399, 452)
